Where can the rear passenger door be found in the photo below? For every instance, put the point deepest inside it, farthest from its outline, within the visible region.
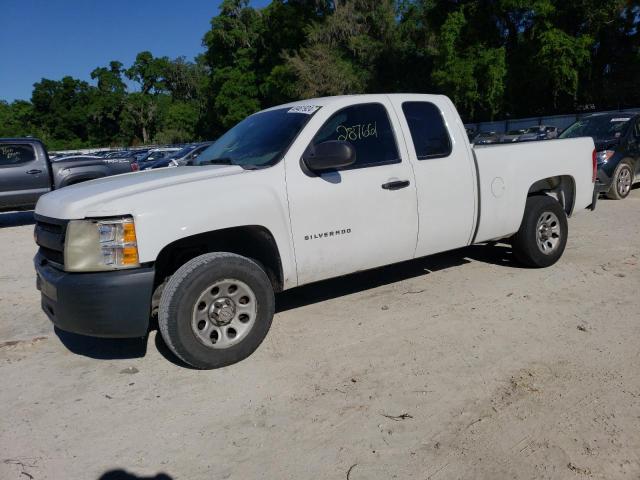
(444, 172)
(24, 176)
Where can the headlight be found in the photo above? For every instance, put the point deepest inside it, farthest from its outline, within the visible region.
(98, 245)
(604, 156)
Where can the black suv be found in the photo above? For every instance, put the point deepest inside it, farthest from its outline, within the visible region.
(617, 140)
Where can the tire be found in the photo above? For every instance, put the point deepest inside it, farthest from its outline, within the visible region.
(621, 182)
(202, 307)
(542, 237)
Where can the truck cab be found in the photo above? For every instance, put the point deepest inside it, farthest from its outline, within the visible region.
(25, 173)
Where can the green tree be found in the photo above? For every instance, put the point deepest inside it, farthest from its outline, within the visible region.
(106, 105)
(231, 52)
(148, 71)
(142, 108)
(60, 110)
(16, 119)
(473, 75)
(492, 57)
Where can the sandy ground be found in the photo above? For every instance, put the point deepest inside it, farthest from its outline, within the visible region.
(462, 365)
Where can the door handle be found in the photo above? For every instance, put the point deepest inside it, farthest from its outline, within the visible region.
(396, 184)
(34, 171)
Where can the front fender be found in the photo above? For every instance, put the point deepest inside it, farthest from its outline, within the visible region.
(172, 213)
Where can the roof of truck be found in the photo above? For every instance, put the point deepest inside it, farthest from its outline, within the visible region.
(324, 101)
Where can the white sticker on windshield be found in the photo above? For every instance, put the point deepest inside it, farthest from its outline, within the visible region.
(620, 119)
(306, 109)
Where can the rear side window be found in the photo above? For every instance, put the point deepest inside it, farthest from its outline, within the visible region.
(368, 129)
(428, 131)
(15, 154)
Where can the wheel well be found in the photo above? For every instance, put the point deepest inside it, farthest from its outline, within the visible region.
(561, 187)
(252, 241)
(78, 179)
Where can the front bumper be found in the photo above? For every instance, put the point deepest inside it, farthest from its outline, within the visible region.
(104, 304)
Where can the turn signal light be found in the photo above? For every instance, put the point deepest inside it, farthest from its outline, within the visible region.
(129, 233)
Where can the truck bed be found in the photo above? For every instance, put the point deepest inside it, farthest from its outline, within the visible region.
(506, 173)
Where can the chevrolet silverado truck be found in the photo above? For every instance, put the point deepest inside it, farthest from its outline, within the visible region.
(292, 195)
(27, 172)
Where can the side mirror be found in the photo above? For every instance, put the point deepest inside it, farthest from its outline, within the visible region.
(329, 155)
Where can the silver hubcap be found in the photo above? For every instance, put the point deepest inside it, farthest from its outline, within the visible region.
(624, 181)
(224, 313)
(548, 232)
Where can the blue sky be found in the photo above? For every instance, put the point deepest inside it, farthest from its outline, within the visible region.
(54, 38)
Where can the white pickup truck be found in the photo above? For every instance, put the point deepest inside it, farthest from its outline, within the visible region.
(292, 195)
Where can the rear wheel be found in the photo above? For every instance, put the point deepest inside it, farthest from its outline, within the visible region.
(216, 309)
(622, 181)
(542, 237)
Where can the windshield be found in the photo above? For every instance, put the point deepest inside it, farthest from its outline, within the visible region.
(258, 140)
(534, 130)
(599, 127)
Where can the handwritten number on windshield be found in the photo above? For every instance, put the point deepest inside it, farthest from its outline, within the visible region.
(357, 132)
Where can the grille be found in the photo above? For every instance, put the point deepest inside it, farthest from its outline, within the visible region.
(50, 235)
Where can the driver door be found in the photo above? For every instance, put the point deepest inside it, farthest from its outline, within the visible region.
(358, 217)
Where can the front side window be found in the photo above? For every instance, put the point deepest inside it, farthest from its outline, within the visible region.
(428, 131)
(16, 154)
(368, 128)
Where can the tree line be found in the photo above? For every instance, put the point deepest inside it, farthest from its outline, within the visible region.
(494, 58)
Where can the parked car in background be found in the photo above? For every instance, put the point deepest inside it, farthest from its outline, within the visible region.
(292, 195)
(471, 133)
(617, 140)
(540, 132)
(155, 154)
(182, 157)
(511, 136)
(486, 138)
(140, 153)
(119, 154)
(26, 172)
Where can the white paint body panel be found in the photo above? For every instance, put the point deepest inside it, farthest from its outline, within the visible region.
(437, 212)
(519, 166)
(382, 225)
(446, 187)
(174, 203)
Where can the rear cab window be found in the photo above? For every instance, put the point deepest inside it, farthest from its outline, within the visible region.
(16, 154)
(368, 128)
(428, 131)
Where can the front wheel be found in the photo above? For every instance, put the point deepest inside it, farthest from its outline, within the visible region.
(216, 309)
(542, 237)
